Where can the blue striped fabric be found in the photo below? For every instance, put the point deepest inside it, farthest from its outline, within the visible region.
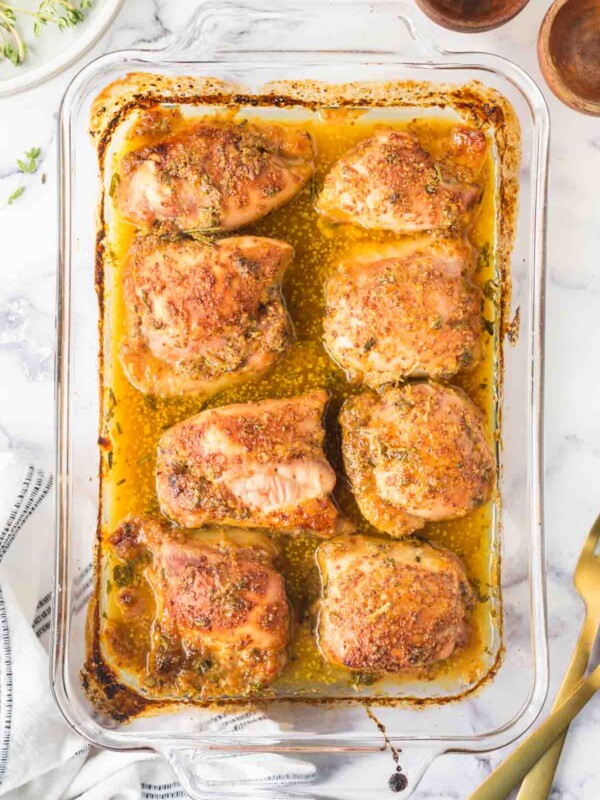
(31, 495)
(34, 489)
(162, 791)
(6, 686)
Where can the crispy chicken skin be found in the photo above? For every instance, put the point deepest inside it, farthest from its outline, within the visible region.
(391, 606)
(406, 309)
(217, 175)
(254, 465)
(389, 182)
(222, 621)
(414, 454)
(203, 316)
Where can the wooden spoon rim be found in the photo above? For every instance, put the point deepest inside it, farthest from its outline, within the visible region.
(552, 75)
(478, 25)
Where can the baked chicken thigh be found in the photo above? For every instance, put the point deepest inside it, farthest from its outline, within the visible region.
(222, 619)
(203, 316)
(415, 454)
(390, 182)
(253, 465)
(216, 176)
(406, 309)
(391, 606)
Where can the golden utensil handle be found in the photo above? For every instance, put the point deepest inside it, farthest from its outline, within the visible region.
(505, 777)
(538, 782)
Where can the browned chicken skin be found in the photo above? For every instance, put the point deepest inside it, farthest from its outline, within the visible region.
(389, 182)
(406, 309)
(222, 619)
(254, 465)
(415, 454)
(217, 175)
(203, 316)
(391, 606)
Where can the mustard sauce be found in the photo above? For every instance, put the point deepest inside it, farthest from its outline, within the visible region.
(133, 424)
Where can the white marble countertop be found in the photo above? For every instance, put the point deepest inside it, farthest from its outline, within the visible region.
(28, 258)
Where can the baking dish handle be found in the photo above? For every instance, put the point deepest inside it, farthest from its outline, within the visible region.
(237, 29)
(208, 774)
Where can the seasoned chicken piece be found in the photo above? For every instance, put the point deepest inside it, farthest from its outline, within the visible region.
(404, 310)
(222, 621)
(414, 454)
(203, 316)
(391, 606)
(255, 465)
(214, 176)
(389, 182)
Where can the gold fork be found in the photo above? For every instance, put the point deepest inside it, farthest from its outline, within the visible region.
(514, 768)
(538, 782)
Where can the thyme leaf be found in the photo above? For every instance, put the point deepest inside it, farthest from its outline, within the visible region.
(30, 165)
(15, 195)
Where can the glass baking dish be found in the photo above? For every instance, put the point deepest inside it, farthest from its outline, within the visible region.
(299, 749)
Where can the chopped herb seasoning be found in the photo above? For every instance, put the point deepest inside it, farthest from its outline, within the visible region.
(114, 183)
(489, 289)
(369, 344)
(483, 259)
(123, 575)
(465, 358)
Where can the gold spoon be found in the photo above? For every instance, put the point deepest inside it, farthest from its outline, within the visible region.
(513, 769)
(538, 783)
(505, 777)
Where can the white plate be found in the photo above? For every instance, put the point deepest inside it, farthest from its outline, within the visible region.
(54, 50)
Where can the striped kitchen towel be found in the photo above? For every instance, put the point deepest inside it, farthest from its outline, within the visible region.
(40, 756)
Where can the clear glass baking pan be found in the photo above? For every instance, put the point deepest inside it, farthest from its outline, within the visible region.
(295, 749)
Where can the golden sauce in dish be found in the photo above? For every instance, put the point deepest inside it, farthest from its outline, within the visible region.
(133, 424)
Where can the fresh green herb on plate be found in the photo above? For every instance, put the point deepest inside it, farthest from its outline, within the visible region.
(61, 13)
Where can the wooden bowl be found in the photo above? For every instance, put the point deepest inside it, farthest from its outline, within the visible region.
(569, 53)
(471, 16)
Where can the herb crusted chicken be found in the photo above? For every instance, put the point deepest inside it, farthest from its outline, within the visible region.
(222, 621)
(415, 454)
(390, 182)
(202, 316)
(391, 606)
(253, 465)
(215, 176)
(404, 310)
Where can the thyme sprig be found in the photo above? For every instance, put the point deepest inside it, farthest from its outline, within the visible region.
(27, 165)
(61, 13)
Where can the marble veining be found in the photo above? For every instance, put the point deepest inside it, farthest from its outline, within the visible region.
(28, 254)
